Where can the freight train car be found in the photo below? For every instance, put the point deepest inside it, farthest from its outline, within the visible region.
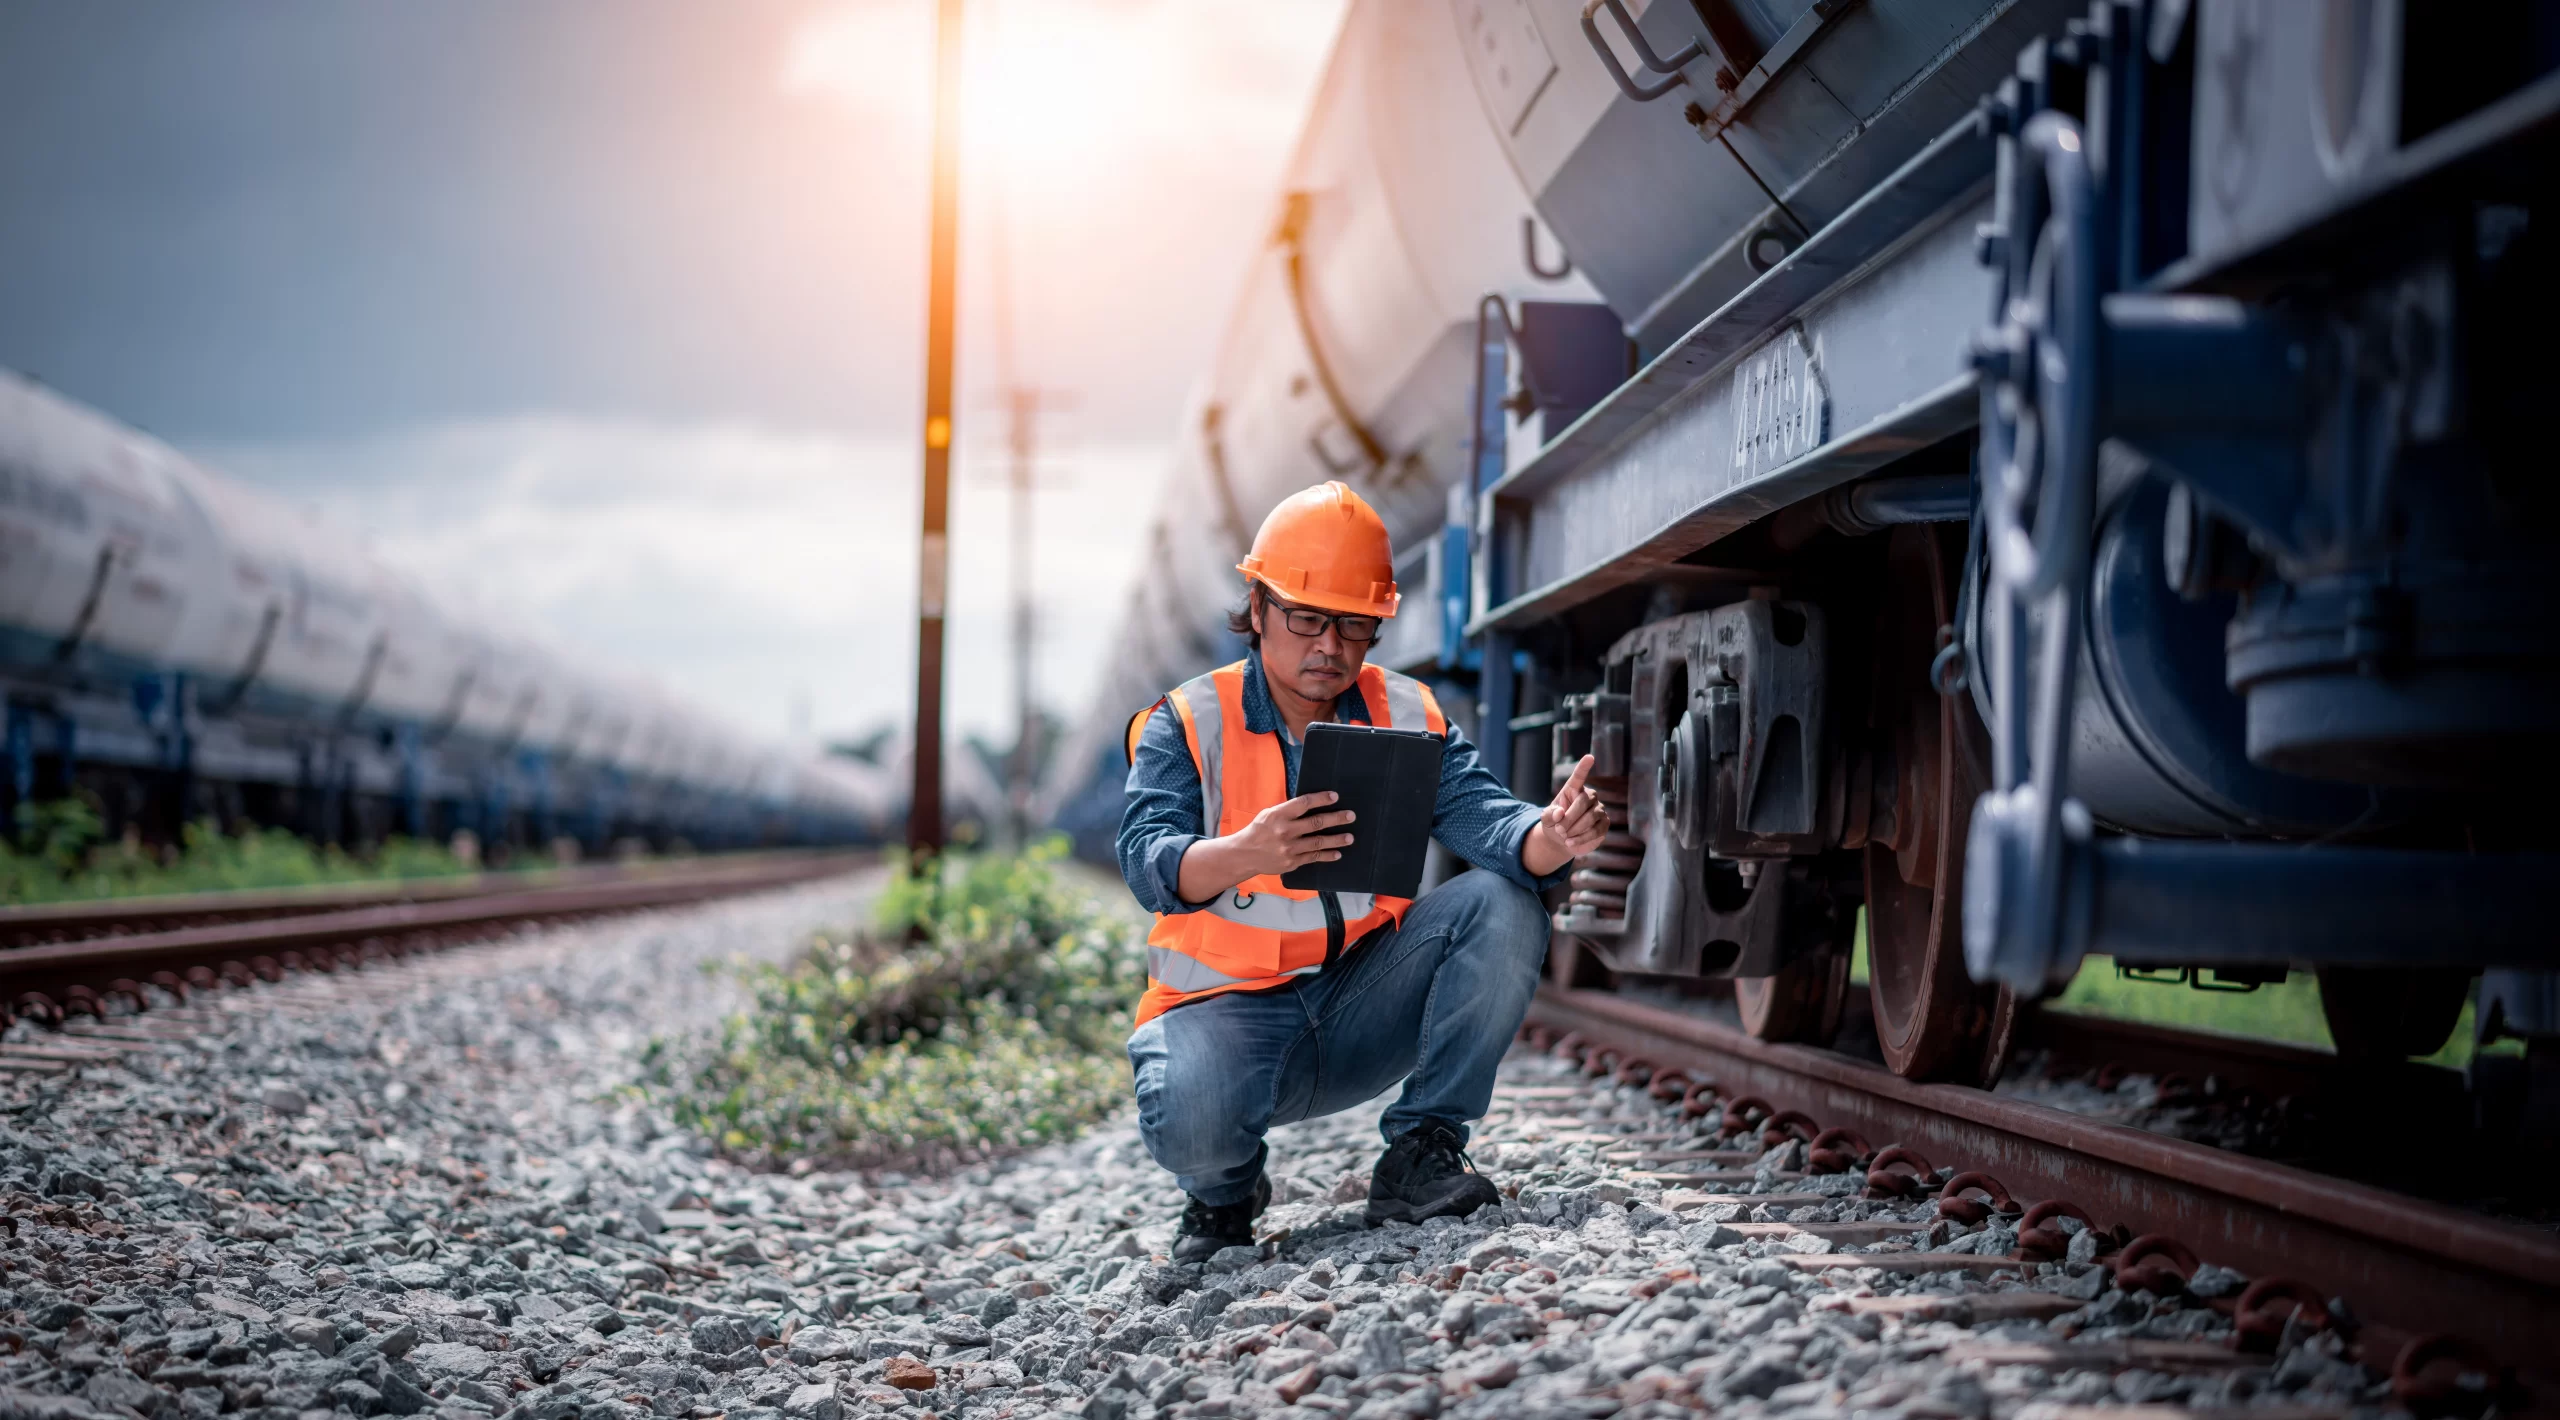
(2057, 480)
(183, 647)
(1349, 354)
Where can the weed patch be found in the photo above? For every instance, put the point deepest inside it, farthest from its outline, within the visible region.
(983, 1010)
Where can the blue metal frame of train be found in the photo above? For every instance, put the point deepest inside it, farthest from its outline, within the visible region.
(2056, 475)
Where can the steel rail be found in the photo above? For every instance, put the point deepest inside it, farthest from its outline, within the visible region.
(2409, 1266)
(74, 976)
(43, 923)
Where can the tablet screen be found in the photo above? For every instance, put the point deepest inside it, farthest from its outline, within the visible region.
(1391, 780)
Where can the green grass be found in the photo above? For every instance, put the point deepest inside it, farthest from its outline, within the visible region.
(984, 1009)
(2287, 1011)
(62, 855)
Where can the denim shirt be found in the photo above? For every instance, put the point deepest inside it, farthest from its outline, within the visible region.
(1474, 816)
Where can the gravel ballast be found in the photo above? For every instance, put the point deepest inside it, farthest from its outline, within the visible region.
(430, 1189)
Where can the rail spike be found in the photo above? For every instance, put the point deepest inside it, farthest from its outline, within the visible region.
(1913, 1176)
(2157, 1263)
(2273, 1306)
(1837, 1151)
(2440, 1374)
(1779, 1128)
(2041, 1239)
(1955, 1205)
(1747, 1112)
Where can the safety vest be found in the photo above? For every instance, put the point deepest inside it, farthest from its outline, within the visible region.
(1259, 934)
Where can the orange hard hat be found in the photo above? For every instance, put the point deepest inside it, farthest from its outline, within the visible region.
(1324, 547)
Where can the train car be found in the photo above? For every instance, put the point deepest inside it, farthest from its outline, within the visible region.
(2074, 496)
(184, 647)
(1348, 355)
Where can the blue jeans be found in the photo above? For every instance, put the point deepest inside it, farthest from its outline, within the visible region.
(1436, 999)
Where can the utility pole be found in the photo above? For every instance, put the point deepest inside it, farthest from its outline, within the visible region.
(1024, 405)
(1024, 415)
(924, 806)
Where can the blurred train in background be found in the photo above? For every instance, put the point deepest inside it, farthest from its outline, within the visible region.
(178, 647)
(2044, 478)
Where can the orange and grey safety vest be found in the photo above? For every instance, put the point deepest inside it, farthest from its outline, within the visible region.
(1259, 934)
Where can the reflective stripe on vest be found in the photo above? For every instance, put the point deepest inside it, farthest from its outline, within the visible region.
(1273, 913)
(1258, 933)
(1176, 972)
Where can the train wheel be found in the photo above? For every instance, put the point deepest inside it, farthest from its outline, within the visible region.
(2392, 1013)
(1999, 1036)
(1932, 1021)
(1802, 1003)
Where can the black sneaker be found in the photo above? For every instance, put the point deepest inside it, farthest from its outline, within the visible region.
(1425, 1173)
(1206, 1229)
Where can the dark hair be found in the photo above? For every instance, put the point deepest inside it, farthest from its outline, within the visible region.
(1240, 616)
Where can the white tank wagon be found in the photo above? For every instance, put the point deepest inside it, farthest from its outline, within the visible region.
(184, 647)
(1348, 354)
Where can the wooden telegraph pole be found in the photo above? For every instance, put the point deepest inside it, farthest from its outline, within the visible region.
(924, 809)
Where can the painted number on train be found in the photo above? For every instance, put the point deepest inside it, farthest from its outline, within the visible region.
(1781, 404)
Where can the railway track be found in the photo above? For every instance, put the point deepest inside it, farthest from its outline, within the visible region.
(2422, 1284)
(162, 950)
(42, 924)
(2430, 1295)
(473, 1087)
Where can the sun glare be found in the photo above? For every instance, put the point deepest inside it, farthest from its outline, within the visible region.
(1055, 90)
(1062, 93)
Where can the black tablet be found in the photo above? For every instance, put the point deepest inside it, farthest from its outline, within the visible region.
(1391, 779)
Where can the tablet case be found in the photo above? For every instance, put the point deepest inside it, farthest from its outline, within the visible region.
(1391, 779)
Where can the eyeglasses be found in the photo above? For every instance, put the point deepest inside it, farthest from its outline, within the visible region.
(1310, 623)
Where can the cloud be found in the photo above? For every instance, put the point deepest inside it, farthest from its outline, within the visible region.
(304, 217)
(617, 322)
(744, 566)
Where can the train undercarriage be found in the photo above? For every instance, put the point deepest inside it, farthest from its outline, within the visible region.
(2206, 623)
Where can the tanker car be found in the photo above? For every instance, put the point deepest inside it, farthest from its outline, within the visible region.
(183, 647)
(2050, 479)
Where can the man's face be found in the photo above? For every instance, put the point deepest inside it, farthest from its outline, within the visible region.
(1316, 666)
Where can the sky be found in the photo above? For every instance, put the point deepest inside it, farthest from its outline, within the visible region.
(609, 313)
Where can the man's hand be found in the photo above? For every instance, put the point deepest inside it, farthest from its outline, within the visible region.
(1568, 828)
(1284, 836)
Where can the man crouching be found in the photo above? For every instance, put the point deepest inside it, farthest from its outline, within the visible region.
(1266, 1005)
